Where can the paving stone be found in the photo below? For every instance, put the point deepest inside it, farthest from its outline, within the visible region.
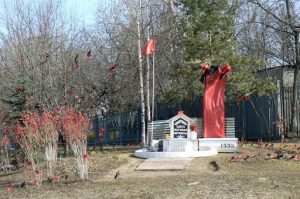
(163, 164)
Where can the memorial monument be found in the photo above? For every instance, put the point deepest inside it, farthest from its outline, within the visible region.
(182, 141)
(214, 78)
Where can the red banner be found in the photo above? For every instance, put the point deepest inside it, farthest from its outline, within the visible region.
(213, 103)
(149, 48)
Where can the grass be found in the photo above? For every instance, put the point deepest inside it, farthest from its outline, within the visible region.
(253, 178)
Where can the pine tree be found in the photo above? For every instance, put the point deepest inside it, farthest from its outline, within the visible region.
(20, 100)
(209, 37)
(209, 30)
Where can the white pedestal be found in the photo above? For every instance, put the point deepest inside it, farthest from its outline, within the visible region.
(205, 152)
(154, 145)
(195, 145)
(229, 145)
(193, 135)
(177, 145)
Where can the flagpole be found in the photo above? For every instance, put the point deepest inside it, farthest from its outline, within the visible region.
(148, 78)
(153, 87)
(153, 80)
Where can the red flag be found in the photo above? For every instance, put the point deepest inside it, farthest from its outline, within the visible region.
(34, 182)
(45, 61)
(101, 132)
(113, 69)
(89, 55)
(76, 65)
(10, 187)
(149, 48)
(38, 171)
(85, 156)
(245, 97)
(180, 113)
(71, 93)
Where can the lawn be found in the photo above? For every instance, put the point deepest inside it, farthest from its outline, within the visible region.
(255, 177)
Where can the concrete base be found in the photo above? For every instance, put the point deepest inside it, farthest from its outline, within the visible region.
(159, 164)
(227, 145)
(177, 145)
(204, 151)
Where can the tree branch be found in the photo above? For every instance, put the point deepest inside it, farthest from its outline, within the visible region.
(270, 13)
(274, 28)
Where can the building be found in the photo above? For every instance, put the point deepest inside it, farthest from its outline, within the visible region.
(284, 73)
(283, 77)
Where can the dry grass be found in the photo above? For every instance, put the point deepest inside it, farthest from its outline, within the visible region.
(253, 178)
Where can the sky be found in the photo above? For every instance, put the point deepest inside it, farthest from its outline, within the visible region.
(86, 9)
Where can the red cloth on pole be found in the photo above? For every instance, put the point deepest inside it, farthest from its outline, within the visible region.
(213, 103)
(149, 48)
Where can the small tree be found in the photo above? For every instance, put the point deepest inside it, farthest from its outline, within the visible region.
(49, 133)
(39, 134)
(28, 137)
(75, 126)
(5, 143)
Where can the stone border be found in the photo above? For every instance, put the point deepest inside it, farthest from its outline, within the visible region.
(204, 151)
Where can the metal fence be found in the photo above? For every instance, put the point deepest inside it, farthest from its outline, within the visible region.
(161, 127)
(285, 107)
(122, 128)
(256, 118)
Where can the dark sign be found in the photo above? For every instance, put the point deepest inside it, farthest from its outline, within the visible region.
(180, 128)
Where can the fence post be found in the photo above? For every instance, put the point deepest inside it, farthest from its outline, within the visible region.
(298, 107)
(279, 107)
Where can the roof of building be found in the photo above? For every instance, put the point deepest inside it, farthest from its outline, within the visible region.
(276, 67)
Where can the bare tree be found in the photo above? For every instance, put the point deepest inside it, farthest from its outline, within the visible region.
(37, 50)
(272, 33)
(117, 35)
(137, 15)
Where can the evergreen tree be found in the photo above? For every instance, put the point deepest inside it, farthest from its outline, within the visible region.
(209, 30)
(20, 100)
(209, 37)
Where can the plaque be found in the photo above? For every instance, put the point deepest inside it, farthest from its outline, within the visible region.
(180, 128)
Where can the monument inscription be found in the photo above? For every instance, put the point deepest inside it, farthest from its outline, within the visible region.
(180, 128)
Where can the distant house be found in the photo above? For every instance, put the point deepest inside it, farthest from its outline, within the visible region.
(284, 77)
(284, 73)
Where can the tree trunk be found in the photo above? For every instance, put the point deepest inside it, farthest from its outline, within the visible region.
(140, 68)
(293, 122)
